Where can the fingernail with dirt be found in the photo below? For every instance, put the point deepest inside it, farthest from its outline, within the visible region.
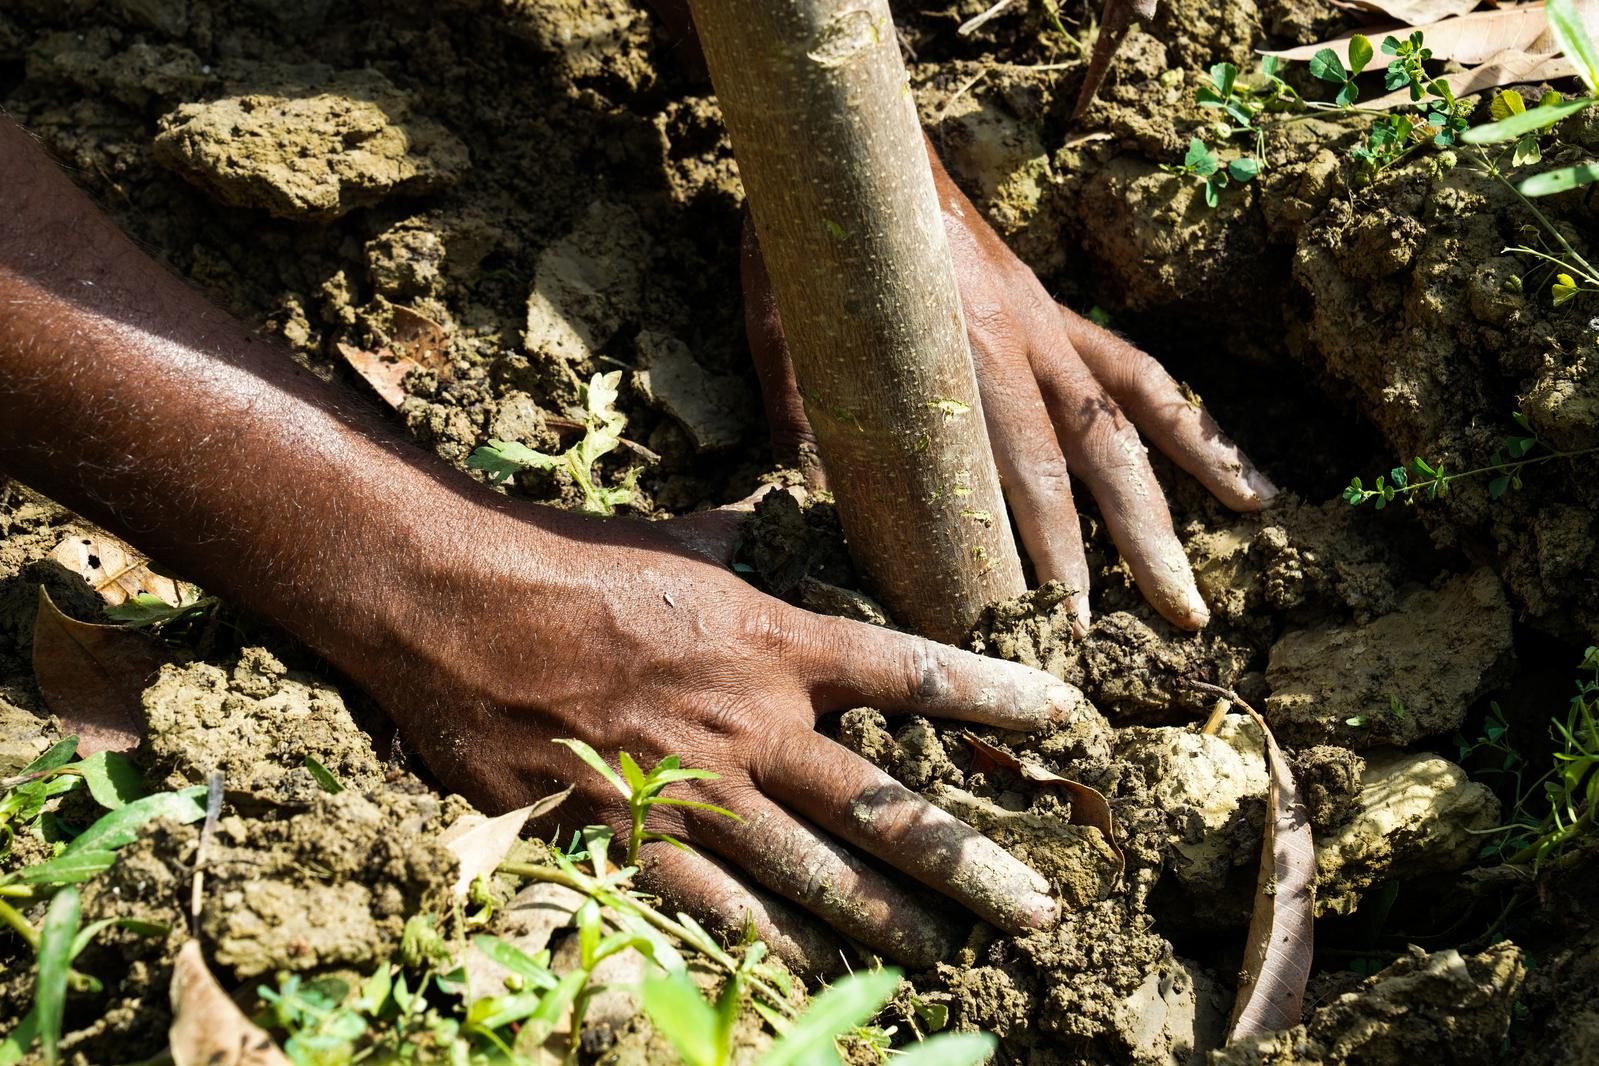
(1259, 484)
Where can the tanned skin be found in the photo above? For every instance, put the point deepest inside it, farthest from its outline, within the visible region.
(488, 627)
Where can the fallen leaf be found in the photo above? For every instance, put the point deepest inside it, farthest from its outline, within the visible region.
(383, 370)
(1089, 805)
(92, 677)
(1509, 67)
(117, 572)
(480, 844)
(1469, 39)
(208, 1029)
(1113, 25)
(415, 336)
(1411, 12)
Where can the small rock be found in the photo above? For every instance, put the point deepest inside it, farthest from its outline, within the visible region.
(21, 739)
(1212, 788)
(1408, 675)
(1424, 1008)
(714, 408)
(587, 285)
(1419, 814)
(1329, 783)
(306, 143)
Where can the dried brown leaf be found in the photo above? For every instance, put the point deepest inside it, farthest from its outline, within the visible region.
(480, 844)
(1469, 39)
(92, 677)
(208, 1029)
(1089, 805)
(1507, 68)
(1278, 953)
(382, 370)
(415, 336)
(1118, 16)
(117, 572)
(1411, 12)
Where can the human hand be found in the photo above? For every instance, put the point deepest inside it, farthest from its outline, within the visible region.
(629, 636)
(1060, 396)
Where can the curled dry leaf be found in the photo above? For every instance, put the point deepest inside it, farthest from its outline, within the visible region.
(1509, 67)
(208, 1029)
(1468, 40)
(416, 342)
(480, 844)
(1277, 956)
(1411, 12)
(1089, 805)
(1119, 15)
(92, 677)
(117, 572)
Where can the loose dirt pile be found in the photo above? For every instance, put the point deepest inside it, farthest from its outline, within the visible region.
(544, 183)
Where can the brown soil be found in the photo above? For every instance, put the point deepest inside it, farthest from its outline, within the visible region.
(543, 181)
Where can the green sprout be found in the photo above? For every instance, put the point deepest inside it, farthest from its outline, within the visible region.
(1424, 479)
(643, 791)
(602, 434)
(1201, 163)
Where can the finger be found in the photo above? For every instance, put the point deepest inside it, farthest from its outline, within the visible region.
(1108, 456)
(1175, 424)
(1032, 469)
(857, 664)
(793, 441)
(845, 794)
(714, 532)
(800, 864)
(699, 885)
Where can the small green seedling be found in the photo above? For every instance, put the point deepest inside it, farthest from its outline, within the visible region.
(1407, 69)
(643, 791)
(1326, 65)
(1201, 163)
(602, 434)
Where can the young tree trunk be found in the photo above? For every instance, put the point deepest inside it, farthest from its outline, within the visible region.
(830, 150)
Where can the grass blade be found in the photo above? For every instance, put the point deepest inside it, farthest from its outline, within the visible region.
(677, 1009)
(597, 764)
(1566, 22)
(55, 960)
(844, 1005)
(949, 1049)
(122, 826)
(1521, 123)
(1562, 180)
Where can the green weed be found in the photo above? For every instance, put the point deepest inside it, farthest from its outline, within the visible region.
(643, 791)
(1561, 803)
(602, 434)
(1423, 479)
(28, 803)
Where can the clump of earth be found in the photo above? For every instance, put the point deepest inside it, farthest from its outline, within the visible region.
(548, 185)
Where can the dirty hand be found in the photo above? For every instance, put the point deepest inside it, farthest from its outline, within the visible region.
(489, 628)
(625, 635)
(1061, 396)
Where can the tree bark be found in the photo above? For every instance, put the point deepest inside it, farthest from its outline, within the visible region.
(829, 146)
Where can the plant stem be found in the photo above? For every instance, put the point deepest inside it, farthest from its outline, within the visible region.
(622, 901)
(17, 891)
(12, 917)
(1543, 220)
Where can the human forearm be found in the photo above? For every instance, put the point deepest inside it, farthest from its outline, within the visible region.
(133, 400)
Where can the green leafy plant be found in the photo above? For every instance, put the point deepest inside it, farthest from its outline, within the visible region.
(644, 790)
(1516, 124)
(56, 945)
(1326, 65)
(1202, 163)
(1562, 803)
(1424, 479)
(602, 434)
